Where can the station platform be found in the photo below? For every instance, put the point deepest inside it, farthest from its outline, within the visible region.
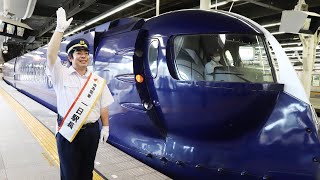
(28, 147)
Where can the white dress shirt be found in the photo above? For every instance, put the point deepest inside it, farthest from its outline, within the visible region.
(67, 83)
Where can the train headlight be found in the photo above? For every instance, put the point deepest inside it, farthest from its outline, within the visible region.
(139, 78)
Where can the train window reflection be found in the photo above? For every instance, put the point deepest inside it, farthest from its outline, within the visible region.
(153, 57)
(222, 57)
(229, 57)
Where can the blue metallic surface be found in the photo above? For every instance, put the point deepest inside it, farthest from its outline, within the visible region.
(197, 21)
(8, 72)
(194, 129)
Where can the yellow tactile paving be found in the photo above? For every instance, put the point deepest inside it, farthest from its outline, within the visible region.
(38, 130)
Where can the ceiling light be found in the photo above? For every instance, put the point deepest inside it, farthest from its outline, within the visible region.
(270, 25)
(113, 11)
(75, 30)
(104, 15)
(292, 43)
(275, 33)
(221, 3)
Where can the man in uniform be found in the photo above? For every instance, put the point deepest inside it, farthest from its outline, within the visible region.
(82, 98)
(211, 65)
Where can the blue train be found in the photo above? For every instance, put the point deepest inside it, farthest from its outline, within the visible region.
(185, 115)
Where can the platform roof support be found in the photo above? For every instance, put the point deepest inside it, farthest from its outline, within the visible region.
(205, 4)
(157, 7)
(308, 58)
(310, 43)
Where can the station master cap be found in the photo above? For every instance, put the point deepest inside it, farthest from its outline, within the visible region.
(77, 44)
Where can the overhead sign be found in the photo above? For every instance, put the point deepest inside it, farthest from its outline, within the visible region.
(299, 22)
(12, 28)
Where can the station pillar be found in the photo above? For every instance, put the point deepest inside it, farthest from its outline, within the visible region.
(205, 4)
(310, 43)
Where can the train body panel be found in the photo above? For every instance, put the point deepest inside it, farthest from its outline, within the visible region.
(200, 22)
(8, 72)
(114, 62)
(233, 122)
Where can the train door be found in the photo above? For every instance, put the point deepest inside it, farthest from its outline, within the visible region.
(146, 62)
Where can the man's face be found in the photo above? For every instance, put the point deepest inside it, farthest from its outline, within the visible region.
(215, 57)
(80, 59)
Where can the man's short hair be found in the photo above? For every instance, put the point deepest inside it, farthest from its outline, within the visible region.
(216, 53)
(77, 45)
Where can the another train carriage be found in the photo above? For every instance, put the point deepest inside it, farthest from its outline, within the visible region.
(189, 119)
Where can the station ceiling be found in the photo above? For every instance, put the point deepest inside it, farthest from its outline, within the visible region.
(43, 19)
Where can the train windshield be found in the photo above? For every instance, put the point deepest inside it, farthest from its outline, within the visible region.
(222, 57)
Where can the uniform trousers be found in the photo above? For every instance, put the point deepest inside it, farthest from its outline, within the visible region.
(77, 158)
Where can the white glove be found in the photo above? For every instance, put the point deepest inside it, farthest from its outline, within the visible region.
(104, 134)
(62, 23)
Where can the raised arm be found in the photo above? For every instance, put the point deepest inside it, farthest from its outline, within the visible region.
(54, 44)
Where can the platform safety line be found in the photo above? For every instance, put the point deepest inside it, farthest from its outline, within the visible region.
(37, 129)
